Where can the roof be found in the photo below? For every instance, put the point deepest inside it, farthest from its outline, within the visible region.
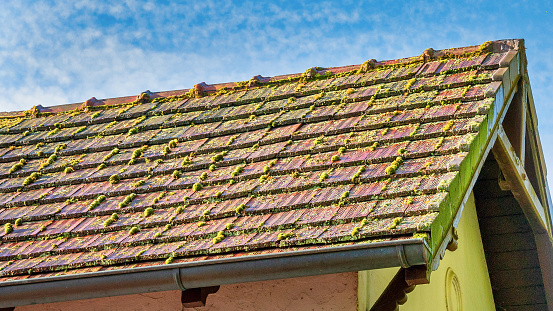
(333, 157)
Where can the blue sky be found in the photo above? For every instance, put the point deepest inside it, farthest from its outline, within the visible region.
(58, 52)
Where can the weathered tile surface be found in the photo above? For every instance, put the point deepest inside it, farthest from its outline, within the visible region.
(304, 163)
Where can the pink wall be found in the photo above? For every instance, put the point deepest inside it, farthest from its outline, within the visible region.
(325, 292)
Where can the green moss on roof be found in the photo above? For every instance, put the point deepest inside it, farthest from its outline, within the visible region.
(303, 160)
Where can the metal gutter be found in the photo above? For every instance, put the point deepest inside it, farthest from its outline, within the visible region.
(180, 276)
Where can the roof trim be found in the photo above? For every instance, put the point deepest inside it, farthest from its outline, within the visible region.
(180, 276)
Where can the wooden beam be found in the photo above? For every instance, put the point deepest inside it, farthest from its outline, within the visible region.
(541, 164)
(516, 177)
(524, 117)
(417, 275)
(395, 293)
(197, 297)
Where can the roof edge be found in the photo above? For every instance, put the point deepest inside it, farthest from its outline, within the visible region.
(181, 276)
(497, 46)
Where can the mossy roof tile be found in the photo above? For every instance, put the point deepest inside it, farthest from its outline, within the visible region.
(252, 169)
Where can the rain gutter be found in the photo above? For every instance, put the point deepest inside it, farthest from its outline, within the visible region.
(181, 276)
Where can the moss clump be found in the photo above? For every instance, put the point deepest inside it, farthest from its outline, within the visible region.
(68, 170)
(357, 175)
(323, 177)
(59, 148)
(51, 159)
(108, 222)
(176, 174)
(197, 187)
(420, 235)
(439, 144)
(240, 209)
(231, 140)
(166, 150)
(114, 179)
(392, 168)
(53, 132)
(219, 238)
(237, 171)
(17, 166)
(132, 131)
(127, 200)
(101, 166)
(179, 210)
(186, 161)
(18, 222)
(99, 199)
(218, 157)
(229, 226)
(263, 178)
(373, 146)
(159, 197)
(335, 158)
(8, 228)
(395, 223)
(285, 236)
(137, 153)
(169, 260)
(173, 143)
(203, 176)
(139, 183)
(447, 126)
(134, 230)
(31, 179)
(111, 154)
(341, 150)
(200, 223)
(345, 195)
(148, 212)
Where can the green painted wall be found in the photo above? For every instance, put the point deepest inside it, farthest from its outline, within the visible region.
(467, 263)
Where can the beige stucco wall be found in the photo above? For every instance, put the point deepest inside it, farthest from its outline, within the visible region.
(325, 292)
(467, 263)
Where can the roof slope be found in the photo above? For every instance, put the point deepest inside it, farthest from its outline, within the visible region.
(331, 157)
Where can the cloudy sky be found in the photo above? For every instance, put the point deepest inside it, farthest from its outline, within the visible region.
(59, 52)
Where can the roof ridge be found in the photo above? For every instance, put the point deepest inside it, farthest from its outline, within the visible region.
(312, 73)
